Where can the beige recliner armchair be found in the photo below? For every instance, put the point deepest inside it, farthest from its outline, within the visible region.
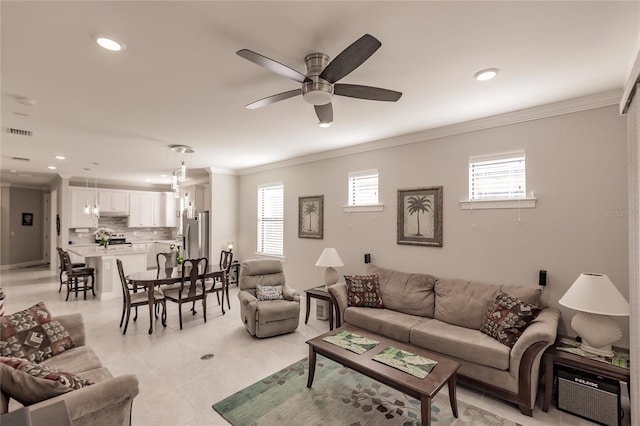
(266, 318)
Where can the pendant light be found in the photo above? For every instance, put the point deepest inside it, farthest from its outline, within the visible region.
(87, 207)
(179, 176)
(96, 205)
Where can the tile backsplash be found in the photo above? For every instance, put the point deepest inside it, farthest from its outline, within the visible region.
(119, 224)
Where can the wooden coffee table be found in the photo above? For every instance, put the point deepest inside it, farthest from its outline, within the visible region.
(421, 389)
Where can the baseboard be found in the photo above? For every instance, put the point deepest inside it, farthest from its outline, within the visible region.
(29, 264)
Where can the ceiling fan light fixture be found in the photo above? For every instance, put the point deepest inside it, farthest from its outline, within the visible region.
(107, 42)
(486, 74)
(317, 92)
(325, 124)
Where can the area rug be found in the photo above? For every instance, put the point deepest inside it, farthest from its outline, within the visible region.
(339, 396)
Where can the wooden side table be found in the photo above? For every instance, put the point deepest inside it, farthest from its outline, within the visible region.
(555, 357)
(322, 294)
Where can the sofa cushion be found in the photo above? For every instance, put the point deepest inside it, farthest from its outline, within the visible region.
(363, 290)
(404, 292)
(269, 292)
(97, 375)
(29, 383)
(75, 360)
(32, 334)
(386, 322)
(463, 343)
(527, 294)
(463, 303)
(507, 317)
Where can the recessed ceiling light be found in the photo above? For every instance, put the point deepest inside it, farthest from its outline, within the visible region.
(147, 180)
(486, 74)
(51, 167)
(61, 157)
(163, 176)
(109, 43)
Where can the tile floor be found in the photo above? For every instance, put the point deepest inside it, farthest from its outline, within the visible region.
(176, 386)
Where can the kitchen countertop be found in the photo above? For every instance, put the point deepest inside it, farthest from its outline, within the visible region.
(101, 252)
(83, 245)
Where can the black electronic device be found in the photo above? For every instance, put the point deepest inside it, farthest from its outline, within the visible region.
(542, 277)
(367, 258)
(589, 396)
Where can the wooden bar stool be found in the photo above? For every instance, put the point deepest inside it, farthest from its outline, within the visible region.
(75, 274)
(63, 270)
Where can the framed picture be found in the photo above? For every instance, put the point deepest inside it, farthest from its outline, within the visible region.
(27, 219)
(420, 216)
(311, 217)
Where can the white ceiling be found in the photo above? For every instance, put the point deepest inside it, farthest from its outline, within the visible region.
(179, 80)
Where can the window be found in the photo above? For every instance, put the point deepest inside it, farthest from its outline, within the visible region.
(497, 177)
(271, 219)
(363, 188)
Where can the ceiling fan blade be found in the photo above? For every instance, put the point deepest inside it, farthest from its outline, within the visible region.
(350, 58)
(366, 92)
(324, 113)
(271, 65)
(274, 98)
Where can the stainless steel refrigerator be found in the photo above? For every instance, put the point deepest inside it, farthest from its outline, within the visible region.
(196, 236)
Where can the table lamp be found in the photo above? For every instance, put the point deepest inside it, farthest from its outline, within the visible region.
(595, 297)
(330, 259)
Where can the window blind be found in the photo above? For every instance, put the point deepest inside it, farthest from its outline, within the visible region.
(363, 188)
(271, 219)
(497, 177)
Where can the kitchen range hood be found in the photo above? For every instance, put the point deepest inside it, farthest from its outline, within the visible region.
(111, 213)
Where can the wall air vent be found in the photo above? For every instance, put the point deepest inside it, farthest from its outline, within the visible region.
(19, 132)
(20, 158)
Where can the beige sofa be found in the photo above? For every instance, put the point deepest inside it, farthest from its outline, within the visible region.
(445, 316)
(106, 402)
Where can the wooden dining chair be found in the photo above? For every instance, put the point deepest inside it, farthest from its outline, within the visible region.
(63, 270)
(131, 298)
(192, 286)
(220, 284)
(74, 275)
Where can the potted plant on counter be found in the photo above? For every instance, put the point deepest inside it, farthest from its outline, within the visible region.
(104, 235)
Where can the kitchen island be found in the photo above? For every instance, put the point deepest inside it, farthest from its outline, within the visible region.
(107, 285)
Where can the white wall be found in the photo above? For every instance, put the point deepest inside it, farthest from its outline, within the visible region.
(224, 209)
(576, 165)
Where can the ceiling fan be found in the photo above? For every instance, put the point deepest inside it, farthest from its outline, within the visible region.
(321, 81)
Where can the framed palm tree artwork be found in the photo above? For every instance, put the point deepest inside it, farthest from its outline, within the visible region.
(311, 217)
(420, 216)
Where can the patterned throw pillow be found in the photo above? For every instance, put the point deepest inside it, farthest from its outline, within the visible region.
(30, 383)
(32, 334)
(364, 290)
(269, 292)
(507, 318)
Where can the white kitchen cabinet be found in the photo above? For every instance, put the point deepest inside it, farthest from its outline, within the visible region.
(141, 209)
(79, 198)
(152, 209)
(114, 201)
(169, 210)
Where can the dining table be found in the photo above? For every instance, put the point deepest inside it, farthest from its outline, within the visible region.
(156, 277)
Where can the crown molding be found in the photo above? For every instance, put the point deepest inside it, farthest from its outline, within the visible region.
(584, 103)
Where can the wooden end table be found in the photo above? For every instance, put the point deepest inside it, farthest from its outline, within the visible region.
(555, 357)
(322, 294)
(422, 389)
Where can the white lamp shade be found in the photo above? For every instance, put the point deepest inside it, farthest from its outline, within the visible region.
(595, 294)
(329, 257)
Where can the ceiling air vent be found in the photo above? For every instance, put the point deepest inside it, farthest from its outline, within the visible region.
(19, 132)
(20, 158)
